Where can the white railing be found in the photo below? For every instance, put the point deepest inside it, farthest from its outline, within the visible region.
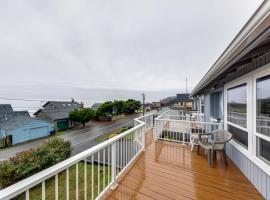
(87, 175)
(183, 115)
(181, 130)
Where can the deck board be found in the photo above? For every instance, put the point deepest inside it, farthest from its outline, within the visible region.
(169, 170)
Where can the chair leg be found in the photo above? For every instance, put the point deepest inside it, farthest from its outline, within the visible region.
(214, 155)
(225, 157)
(198, 152)
(210, 157)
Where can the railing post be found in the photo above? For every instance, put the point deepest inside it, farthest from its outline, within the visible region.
(113, 165)
(143, 137)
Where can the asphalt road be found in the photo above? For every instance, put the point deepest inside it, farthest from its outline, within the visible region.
(80, 138)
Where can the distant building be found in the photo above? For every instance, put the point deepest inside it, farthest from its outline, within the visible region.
(148, 106)
(57, 113)
(19, 127)
(183, 101)
(156, 105)
(95, 106)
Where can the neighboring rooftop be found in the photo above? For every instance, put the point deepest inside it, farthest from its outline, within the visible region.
(182, 97)
(10, 119)
(56, 110)
(14, 120)
(5, 108)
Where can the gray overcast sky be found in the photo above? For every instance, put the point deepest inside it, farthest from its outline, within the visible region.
(139, 44)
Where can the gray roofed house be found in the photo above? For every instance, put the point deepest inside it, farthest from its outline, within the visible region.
(183, 97)
(5, 108)
(57, 112)
(19, 126)
(13, 120)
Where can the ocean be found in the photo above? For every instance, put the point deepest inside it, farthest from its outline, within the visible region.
(32, 98)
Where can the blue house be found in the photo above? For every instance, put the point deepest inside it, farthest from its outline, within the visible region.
(20, 126)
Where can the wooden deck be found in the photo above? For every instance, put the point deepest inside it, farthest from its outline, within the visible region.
(169, 170)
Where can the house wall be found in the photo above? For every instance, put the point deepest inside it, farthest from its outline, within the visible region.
(254, 173)
(32, 130)
(207, 107)
(246, 160)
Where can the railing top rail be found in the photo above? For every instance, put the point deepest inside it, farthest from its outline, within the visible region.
(189, 121)
(25, 184)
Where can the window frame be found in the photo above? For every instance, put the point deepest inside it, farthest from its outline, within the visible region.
(250, 79)
(260, 161)
(237, 82)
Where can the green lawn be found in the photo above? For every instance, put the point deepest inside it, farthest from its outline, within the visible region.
(35, 193)
(60, 133)
(111, 134)
(116, 117)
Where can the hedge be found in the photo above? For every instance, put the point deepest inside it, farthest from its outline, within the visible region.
(27, 163)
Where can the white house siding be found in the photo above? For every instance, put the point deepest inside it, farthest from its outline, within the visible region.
(256, 176)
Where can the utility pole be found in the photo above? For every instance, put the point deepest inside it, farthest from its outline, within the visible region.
(186, 86)
(143, 100)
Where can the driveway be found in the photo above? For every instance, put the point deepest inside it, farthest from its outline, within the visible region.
(80, 138)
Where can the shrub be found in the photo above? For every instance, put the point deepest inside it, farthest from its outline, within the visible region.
(82, 115)
(27, 163)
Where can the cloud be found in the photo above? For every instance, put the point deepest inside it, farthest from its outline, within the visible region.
(142, 44)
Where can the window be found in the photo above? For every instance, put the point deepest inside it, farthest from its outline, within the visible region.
(263, 150)
(263, 118)
(237, 105)
(247, 105)
(202, 103)
(263, 105)
(239, 135)
(215, 109)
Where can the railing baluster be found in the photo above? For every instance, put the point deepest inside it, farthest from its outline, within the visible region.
(27, 196)
(113, 162)
(104, 171)
(98, 173)
(43, 191)
(120, 154)
(85, 179)
(77, 181)
(67, 184)
(56, 186)
(126, 152)
(92, 177)
(109, 165)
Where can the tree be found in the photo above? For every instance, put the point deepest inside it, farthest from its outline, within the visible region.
(106, 108)
(118, 107)
(131, 106)
(82, 115)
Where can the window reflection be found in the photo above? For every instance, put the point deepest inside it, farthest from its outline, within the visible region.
(263, 105)
(237, 105)
(263, 150)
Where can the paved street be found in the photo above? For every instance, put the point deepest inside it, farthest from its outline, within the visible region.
(81, 139)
